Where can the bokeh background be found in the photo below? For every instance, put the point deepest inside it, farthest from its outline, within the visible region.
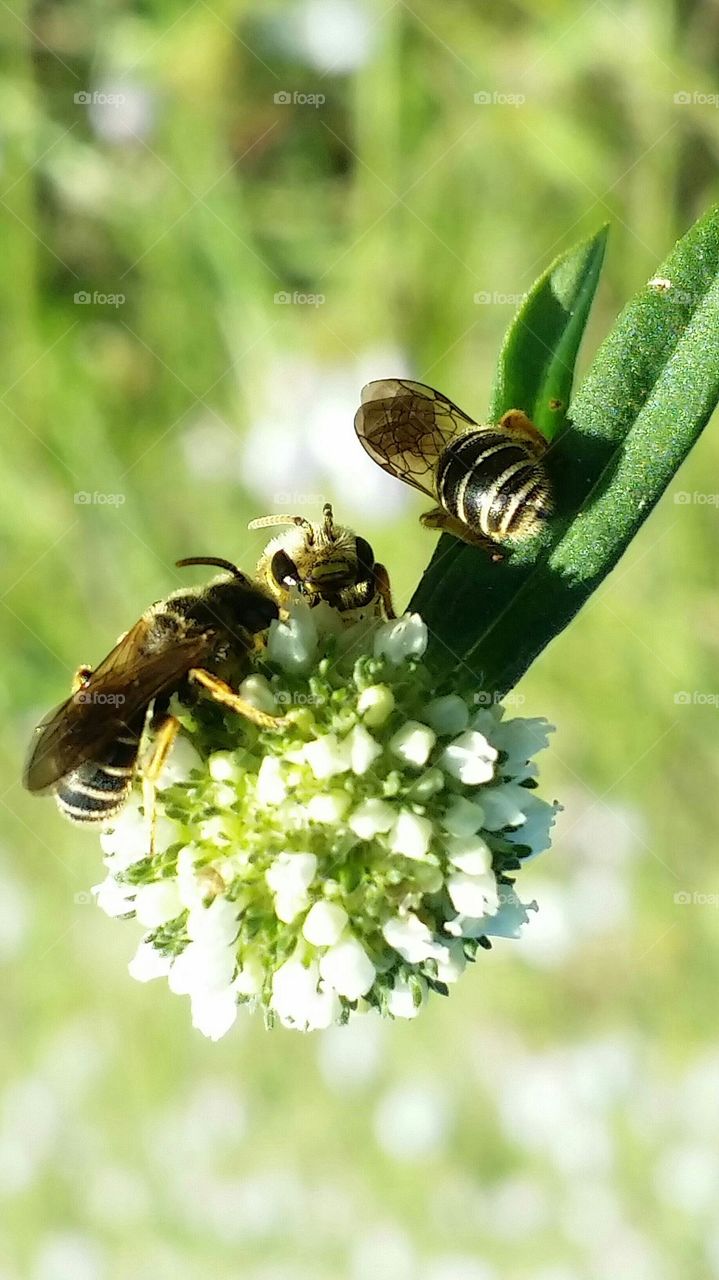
(558, 1117)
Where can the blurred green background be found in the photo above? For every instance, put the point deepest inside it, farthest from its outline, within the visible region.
(558, 1117)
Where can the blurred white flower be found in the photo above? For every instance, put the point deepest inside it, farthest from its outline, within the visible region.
(413, 1121)
(294, 455)
(335, 36)
(64, 1254)
(122, 111)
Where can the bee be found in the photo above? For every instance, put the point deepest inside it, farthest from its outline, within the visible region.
(489, 481)
(324, 561)
(86, 751)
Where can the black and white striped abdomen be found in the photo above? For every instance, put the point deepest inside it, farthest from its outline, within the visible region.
(494, 483)
(98, 789)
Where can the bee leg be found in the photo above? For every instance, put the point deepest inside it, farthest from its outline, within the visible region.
(517, 422)
(381, 581)
(437, 518)
(225, 694)
(80, 678)
(151, 770)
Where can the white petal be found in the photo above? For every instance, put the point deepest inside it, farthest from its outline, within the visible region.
(250, 977)
(128, 839)
(447, 715)
(147, 963)
(213, 1012)
(324, 923)
(329, 808)
(289, 878)
(223, 767)
(201, 968)
(470, 758)
(463, 817)
(451, 969)
(364, 750)
(271, 787)
(157, 903)
(511, 916)
(292, 645)
(504, 806)
(371, 817)
(536, 831)
(413, 742)
(256, 690)
(400, 1002)
(182, 759)
(214, 925)
(347, 968)
(413, 940)
(376, 704)
(473, 895)
(224, 796)
(327, 756)
(411, 835)
(470, 853)
(401, 638)
(113, 898)
(297, 1000)
(217, 830)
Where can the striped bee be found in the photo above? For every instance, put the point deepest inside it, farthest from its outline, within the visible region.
(324, 561)
(86, 751)
(488, 480)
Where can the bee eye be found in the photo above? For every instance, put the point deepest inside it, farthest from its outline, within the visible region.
(284, 571)
(365, 555)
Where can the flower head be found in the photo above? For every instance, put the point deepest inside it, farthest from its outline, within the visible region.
(356, 857)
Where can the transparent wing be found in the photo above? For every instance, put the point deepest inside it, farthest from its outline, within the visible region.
(405, 427)
(108, 705)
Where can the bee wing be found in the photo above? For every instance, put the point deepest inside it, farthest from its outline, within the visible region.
(107, 706)
(405, 427)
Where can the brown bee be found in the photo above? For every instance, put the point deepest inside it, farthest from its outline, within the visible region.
(489, 480)
(86, 751)
(324, 561)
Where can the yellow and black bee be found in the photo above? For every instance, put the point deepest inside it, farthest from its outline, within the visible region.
(322, 560)
(86, 751)
(489, 481)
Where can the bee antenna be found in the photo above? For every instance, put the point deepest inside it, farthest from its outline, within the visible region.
(217, 561)
(264, 522)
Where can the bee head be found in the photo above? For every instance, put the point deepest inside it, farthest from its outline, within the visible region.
(320, 560)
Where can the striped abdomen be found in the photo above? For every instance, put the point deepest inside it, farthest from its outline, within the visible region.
(494, 483)
(98, 789)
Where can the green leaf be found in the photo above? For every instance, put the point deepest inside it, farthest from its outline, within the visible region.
(536, 363)
(647, 397)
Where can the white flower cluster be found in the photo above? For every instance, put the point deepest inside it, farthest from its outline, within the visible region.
(355, 858)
